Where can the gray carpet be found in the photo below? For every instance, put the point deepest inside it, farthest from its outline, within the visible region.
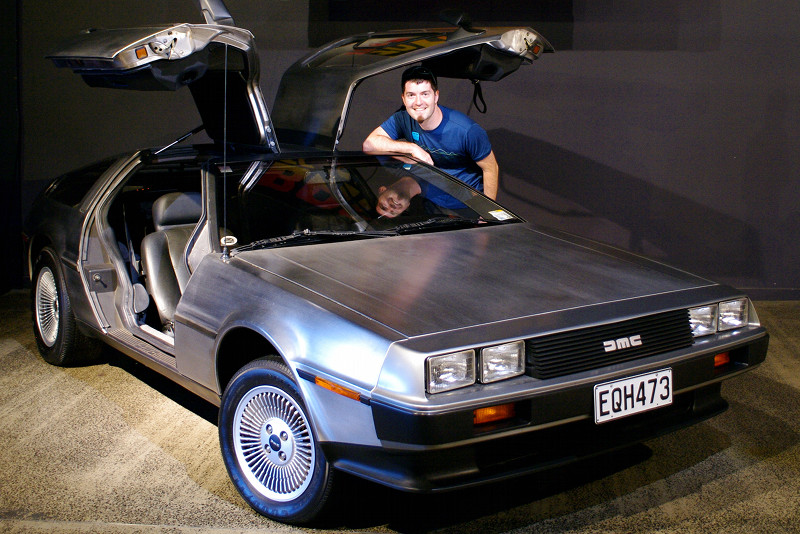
(112, 447)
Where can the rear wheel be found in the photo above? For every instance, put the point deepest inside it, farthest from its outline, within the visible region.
(57, 336)
(269, 447)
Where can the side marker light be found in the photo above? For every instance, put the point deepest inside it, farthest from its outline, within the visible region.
(336, 388)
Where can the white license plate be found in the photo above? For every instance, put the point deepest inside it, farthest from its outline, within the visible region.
(629, 396)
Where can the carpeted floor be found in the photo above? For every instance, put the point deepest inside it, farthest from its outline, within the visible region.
(112, 447)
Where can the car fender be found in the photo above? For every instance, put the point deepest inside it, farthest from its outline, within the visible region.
(226, 297)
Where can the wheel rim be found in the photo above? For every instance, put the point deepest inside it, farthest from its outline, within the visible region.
(47, 306)
(273, 443)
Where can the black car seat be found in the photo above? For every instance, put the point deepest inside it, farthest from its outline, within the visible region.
(174, 216)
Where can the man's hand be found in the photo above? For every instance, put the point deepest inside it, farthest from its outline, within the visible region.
(420, 153)
(379, 141)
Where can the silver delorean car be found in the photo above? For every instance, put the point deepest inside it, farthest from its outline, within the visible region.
(449, 346)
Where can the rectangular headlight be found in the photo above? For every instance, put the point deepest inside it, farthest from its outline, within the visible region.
(703, 320)
(502, 361)
(733, 314)
(451, 371)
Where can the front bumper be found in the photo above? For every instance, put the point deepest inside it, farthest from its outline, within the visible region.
(433, 452)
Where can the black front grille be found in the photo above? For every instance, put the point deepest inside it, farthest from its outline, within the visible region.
(585, 349)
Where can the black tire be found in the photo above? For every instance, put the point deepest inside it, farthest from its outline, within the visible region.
(57, 336)
(269, 447)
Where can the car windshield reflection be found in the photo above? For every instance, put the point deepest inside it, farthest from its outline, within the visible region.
(290, 202)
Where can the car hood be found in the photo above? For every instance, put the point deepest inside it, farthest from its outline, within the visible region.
(431, 283)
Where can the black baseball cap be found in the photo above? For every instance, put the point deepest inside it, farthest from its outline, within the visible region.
(418, 72)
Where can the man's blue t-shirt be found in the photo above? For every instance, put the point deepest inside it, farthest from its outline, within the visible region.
(455, 145)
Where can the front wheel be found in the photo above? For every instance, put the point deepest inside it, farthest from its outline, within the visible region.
(268, 446)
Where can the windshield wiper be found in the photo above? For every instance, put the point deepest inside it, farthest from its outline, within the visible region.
(306, 237)
(310, 236)
(437, 223)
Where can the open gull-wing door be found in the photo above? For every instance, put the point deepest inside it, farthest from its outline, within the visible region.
(214, 60)
(314, 95)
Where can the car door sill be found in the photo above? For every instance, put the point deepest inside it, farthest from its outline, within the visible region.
(160, 339)
(145, 347)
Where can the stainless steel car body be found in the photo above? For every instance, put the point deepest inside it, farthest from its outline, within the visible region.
(356, 322)
(372, 311)
(367, 314)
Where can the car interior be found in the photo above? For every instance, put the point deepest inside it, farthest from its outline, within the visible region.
(175, 216)
(153, 217)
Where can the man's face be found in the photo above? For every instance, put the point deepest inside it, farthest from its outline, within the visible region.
(391, 202)
(420, 99)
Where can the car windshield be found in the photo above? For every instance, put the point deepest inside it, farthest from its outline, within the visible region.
(287, 202)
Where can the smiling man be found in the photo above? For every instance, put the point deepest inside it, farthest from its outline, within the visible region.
(436, 134)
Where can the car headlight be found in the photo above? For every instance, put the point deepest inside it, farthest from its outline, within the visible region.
(732, 314)
(703, 320)
(502, 361)
(451, 371)
(713, 318)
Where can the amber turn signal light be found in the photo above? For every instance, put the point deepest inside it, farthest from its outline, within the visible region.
(491, 414)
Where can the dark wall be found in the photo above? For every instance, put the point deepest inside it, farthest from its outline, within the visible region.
(10, 206)
(666, 128)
